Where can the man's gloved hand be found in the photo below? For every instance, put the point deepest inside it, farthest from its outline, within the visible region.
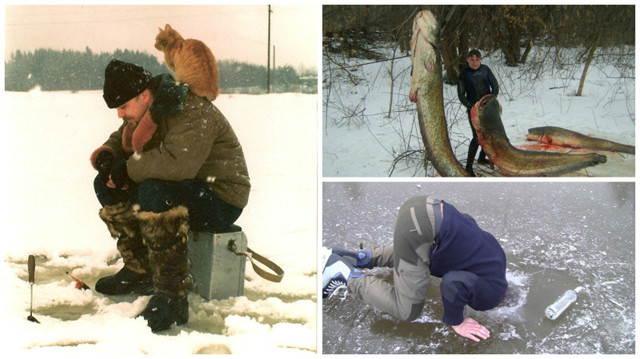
(119, 176)
(104, 162)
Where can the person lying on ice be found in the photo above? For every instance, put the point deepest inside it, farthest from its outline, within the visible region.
(431, 237)
(174, 165)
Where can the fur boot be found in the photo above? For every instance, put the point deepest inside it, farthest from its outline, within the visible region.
(135, 277)
(166, 236)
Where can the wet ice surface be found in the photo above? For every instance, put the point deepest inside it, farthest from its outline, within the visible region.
(556, 236)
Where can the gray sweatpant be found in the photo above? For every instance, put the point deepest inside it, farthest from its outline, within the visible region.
(413, 240)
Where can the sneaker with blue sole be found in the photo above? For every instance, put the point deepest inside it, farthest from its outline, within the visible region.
(336, 273)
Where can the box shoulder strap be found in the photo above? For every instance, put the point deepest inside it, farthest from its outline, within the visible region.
(256, 258)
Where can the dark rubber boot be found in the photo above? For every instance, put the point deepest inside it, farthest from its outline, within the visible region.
(162, 311)
(125, 282)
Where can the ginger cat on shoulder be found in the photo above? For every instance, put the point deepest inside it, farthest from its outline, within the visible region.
(191, 61)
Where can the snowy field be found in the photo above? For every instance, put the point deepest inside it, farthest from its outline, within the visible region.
(53, 214)
(368, 122)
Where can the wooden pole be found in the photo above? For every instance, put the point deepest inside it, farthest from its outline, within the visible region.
(269, 52)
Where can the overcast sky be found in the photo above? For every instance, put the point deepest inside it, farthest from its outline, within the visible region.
(231, 31)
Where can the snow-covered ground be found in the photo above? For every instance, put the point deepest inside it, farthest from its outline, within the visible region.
(51, 212)
(361, 137)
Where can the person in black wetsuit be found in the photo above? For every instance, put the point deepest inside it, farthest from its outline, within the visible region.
(475, 81)
(431, 238)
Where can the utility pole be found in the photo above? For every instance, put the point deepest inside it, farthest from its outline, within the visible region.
(269, 52)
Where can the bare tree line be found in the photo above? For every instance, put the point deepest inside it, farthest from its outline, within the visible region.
(511, 29)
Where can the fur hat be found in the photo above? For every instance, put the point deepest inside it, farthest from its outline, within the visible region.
(123, 81)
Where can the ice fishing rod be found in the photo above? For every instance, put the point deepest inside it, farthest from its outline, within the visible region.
(32, 275)
(79, 284)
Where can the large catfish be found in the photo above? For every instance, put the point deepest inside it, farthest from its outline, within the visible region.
(426, 92)
(485, 116)
(563, 137)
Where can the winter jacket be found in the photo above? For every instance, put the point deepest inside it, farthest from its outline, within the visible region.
(474, 84)
(190, 138)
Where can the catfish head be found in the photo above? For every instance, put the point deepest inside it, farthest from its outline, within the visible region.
(425, 59)
(485, 116)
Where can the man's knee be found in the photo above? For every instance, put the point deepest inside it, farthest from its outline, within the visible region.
(110, 196)
(101, 191)
(411, 312)
(155, 196)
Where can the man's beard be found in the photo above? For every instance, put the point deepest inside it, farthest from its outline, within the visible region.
(131, 122)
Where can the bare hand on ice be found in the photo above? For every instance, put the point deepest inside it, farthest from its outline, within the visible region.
(471, 329)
